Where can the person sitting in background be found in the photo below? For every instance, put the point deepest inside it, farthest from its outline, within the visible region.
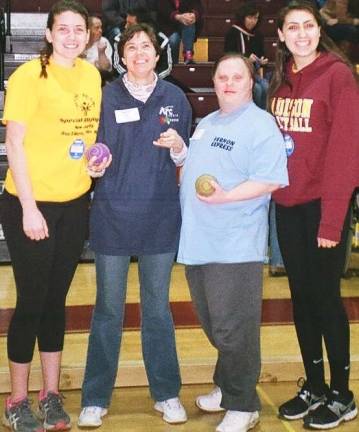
(340, 24)
(141, 15)
(244, 38)
(181, 20)
(98, 50)
(114, 14)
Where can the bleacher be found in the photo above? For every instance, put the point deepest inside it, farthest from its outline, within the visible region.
(28, 21)
(219, 16)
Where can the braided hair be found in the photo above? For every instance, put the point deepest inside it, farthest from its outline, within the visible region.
(57, 9)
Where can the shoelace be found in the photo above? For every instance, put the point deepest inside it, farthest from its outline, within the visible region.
(173, 404)
(54, 402)
(303, 391)
(300, 382)
(22, 412)
(92, 410)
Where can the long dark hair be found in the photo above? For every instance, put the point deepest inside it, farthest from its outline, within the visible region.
(57, 9)
(247, 9)
(283, 54)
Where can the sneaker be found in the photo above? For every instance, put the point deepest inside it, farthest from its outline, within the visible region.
(172, 410)
(238, 421)
(19, 417)
(301, 404)
(91, 416)
(188, 57)
(52, 412)
(210, 402)
(335, 410)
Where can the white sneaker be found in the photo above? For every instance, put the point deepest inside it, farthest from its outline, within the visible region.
(238, 421)
(91, 416)
(210, 402)
(172, 410)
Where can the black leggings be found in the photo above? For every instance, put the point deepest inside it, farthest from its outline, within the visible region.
(43, 273)
(314, 279)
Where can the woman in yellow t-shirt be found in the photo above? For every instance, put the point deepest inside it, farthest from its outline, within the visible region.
(51, 115)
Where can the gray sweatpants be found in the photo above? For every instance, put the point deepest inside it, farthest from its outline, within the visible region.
(228, 300)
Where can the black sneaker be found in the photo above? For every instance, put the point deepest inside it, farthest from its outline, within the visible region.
(301, 404)
(334, 411)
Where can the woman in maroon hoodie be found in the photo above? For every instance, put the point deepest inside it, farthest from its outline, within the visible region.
(314, 97)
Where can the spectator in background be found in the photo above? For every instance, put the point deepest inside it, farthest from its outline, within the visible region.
(98, 50)
(181, 20)
(141, 15)
(114, 14)
(245, 39)
(340, 22)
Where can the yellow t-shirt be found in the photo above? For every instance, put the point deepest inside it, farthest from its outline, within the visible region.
(61, 114)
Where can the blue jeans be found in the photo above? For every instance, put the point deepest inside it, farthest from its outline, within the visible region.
(188, 35)
(275, 259)
(260, 90)
(157, 330)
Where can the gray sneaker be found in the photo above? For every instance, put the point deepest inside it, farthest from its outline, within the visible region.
(19, 417)
(52, 412)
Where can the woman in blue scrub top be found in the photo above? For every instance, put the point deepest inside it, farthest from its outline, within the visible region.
(145, 122)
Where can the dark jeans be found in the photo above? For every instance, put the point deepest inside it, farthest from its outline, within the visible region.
(43, 273)
(228, 300)
(343, 32)
(314, 279)
(188, 36)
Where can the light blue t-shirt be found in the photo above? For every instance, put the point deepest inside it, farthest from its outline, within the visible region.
(243, 145)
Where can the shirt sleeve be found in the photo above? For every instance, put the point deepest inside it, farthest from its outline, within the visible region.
(108, 52)
(179, 158)
(184, 129)
(21, 96)
(267, 156)
(341, 173)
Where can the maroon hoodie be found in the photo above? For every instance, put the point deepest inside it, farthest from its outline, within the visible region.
(319, 118)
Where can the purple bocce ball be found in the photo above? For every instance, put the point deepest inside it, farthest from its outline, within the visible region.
(100, 151)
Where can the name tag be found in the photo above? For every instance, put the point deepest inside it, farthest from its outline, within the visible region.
(127, 115)
(198, 134)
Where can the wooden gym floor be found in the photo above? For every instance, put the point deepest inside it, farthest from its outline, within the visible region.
(131, 409)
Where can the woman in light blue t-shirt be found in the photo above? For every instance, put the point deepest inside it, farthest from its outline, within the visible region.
(223, 236)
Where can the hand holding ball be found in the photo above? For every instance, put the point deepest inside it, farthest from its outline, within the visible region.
(203, 185)
(98, 150)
